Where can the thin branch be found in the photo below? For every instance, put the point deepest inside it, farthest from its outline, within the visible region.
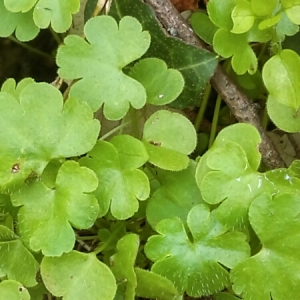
(242, 108)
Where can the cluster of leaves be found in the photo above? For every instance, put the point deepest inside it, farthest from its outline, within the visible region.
(213, 224)
(235, 25)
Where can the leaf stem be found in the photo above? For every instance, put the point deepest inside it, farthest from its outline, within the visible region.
(31, 49)
(121, 126)
(135, 123)
(214, 123)
(202, 108)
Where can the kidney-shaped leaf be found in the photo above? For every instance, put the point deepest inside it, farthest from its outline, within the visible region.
(99, 63)
(39, 128)
(13, 290)
(17, 262)
(21, 23)
(169, 137)
(77, 276)
(121, 183)
(194, 265)
(277, 224)
(46, 216)
(281, 75)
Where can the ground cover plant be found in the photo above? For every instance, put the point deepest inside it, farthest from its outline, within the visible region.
(111, 186)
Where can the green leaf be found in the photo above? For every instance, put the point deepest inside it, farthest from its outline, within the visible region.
(21, 23)
(17, 263)
(13, 290)
(194, 264)
(122, 184)
(247, 137)
(276, 222)
(122, 264)
(242, 17)
(19, 6)
(153, 286)
(109, 49)
(263, 8)
(292, 10)
(281, 75)
(225, 296)
(77, 276)
(10, 86)
(285, 27)
(283, 116)
(203, 26)
(270, 22)
(89, 9)
(47, 214)
(237, 184)
(219, 12)
(169, 137)
(228, 44)
(57, 12)
(162, 85)
(171, 199)
(196, 65)
(67, 130)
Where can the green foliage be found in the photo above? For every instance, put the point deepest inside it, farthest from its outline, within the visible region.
(107, 215)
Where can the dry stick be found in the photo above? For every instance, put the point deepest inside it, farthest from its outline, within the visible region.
(242, 108)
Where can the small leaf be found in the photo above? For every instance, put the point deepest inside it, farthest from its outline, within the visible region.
(22, 23)
(57, 12)
(276, 222)
(122, 184)
(162, 85)
(281, 75)
(263, 8)
(242, 17)
(122, 263)
(47, 214)
(228, 44)
(169, 138)
(13, 290)
(109, 48)
(153, 286)
(270, 22)
(19, 6)
(292, 10)
(17, 262)
(203, 26)
(195, 266)
(77, 276)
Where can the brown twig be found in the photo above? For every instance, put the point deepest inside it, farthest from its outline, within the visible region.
(242, 108)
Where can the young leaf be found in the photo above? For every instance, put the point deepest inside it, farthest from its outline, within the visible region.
(67, 130)
(193, 264)
(169, 137)
(263, 8)
(13, 290)
(196, 65)
(228, 44)
(292, 10)
(162, 85)
(242, 16)
(171, 199)
(57, 12)
(153, 286)
(99, 63)
(21, 23)
(276, 222)
(283, 116)
(237, 184)
(285, 27)
(46, 216)
(17, 263)
(77, 276)
(281, 75)
(122, 264)
(203, 26)
(121, 183)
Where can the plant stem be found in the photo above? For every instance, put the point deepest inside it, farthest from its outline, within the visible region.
(31, 49)
(135, 123)
(202, 108)
(214, 123)
(121, 126)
